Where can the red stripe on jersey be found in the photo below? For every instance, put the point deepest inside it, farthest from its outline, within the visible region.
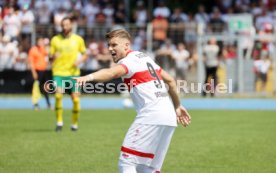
(137, 153)
(159, 71)
(141, 77)
(125, 67)
(129, 51)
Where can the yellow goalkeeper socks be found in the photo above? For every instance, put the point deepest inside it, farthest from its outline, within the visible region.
(76, 112)
(59, 110)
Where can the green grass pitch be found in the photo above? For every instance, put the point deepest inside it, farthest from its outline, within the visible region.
(215, 142)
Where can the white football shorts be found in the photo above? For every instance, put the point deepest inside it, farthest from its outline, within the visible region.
(146, 145)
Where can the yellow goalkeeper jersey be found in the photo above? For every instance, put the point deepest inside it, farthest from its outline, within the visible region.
(68, 50)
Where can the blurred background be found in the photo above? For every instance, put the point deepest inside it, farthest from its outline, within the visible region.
(176, 33)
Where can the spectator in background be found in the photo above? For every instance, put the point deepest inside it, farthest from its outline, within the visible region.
(178, 16)
(100, 21)
(5, 10)
(256, 9)
(27, 18)
(92, 52)
(2, 3)
(103, 57)
(216, 24)
(140, 15)
(108, 11)
(77, 5)
(11, 3)
(267, 43)
(160, 27)
(164, 57)
(12, 24)
(58, 16)
(224, 5)
(49, 3)
(120, 14)
(139, 40)
(202, 18)
(162, 10)
(261, 68)
(21, 62)
(241, 6)
(211, 60)
(8, 53)
(89, 11)
(177, 24)
(225, 17)
(190, 34)
(273, 15)
(181, 56)
(38, 61)
(230, 56)
(64, 4)
(22, 3)
(263, 20)
(43, 12)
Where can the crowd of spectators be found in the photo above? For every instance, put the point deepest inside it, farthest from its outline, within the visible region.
(171, 25)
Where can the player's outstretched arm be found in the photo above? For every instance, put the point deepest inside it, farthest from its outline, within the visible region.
(102, 75)
(183, 116)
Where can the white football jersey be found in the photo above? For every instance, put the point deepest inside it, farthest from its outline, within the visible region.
(147, 90)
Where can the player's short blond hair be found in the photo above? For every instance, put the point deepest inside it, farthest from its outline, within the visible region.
(121, 33)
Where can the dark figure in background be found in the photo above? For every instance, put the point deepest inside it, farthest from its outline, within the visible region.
(211, 60)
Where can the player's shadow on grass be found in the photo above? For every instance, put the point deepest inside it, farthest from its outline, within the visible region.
(37, 130)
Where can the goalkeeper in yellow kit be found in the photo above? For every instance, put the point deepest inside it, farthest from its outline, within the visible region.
(65, 51)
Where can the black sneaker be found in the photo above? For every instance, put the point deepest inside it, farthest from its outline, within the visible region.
(73, 129)
(58, 128)
(36, 107)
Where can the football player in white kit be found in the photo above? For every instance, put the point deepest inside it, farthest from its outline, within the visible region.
(154, 95)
